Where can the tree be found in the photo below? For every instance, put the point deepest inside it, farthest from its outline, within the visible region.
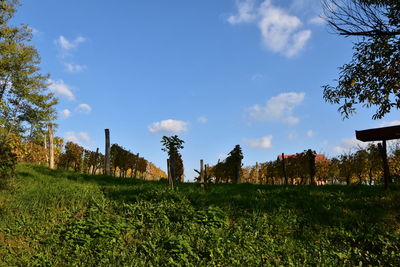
(234, 164)
(25, 102)
(372, 78)
(172, 145)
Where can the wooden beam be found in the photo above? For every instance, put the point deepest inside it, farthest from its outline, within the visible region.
(378, 134)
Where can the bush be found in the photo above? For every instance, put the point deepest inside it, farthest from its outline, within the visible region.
(8, 159)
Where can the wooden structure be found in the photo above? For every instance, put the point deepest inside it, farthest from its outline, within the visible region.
(381, 134)
(51, 146)
(107, 153)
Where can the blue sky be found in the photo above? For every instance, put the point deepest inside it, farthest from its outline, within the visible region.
(217, 73)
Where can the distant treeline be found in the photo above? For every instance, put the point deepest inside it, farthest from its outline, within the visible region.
(362, 166)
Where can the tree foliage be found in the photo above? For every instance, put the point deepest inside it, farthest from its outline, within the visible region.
(8, 159)
(172, 145)
(372, 78)
(25, 101)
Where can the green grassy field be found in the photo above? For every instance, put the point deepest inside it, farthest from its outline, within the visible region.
(53, 218)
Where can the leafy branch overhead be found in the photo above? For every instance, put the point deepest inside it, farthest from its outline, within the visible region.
(372, 78)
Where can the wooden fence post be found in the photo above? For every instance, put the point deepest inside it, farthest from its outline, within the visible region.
(201, 174)
(386, 170)
(284, 168)
(51, 146)
(107, 152)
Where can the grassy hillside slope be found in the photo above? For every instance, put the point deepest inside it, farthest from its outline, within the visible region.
(61, 218)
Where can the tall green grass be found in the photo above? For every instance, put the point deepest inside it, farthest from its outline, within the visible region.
(57, 218)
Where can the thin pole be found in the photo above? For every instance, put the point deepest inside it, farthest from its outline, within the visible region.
(107, 152)
(51, 146)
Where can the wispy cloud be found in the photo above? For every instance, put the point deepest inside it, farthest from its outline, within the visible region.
(264, 142)
(281, 32)
(80, 138)
(83, 108)
(317, 20)
(349, 144)
(256, 76)
(67, 45)
(245, 13)
(202, 119)
(310, 133)
(61, 89)
(65, 113)
(169, 126)
(71, 67)
(66, 48)
(292, 136)
(278, 108)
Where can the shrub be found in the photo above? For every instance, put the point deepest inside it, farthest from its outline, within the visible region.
(8, 159)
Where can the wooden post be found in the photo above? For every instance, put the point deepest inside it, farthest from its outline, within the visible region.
(51, 146)
(107, 152)
(284, 168)
(386, 170)
(46, 148)
(201, 174)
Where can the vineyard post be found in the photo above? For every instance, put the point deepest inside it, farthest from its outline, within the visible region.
(51, 146)
(386, 171)
(107, 152)
(284, 168)
(201, 174)
(46, 148)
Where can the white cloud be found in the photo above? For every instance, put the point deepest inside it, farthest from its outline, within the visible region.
(202, 119)
(349, 144)
(280, 31)
(65, 113)
(245, 13)
(317, 20)
(71, 67)
(61, 89)
(264, 142)
(66, 44)
(278, 107)
(83, 108)
(389, 123)
(310, 133)
(171, 126)
(79, 138)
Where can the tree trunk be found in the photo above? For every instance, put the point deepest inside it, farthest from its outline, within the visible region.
(51, 146)
(96, 155)
(170, 181)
